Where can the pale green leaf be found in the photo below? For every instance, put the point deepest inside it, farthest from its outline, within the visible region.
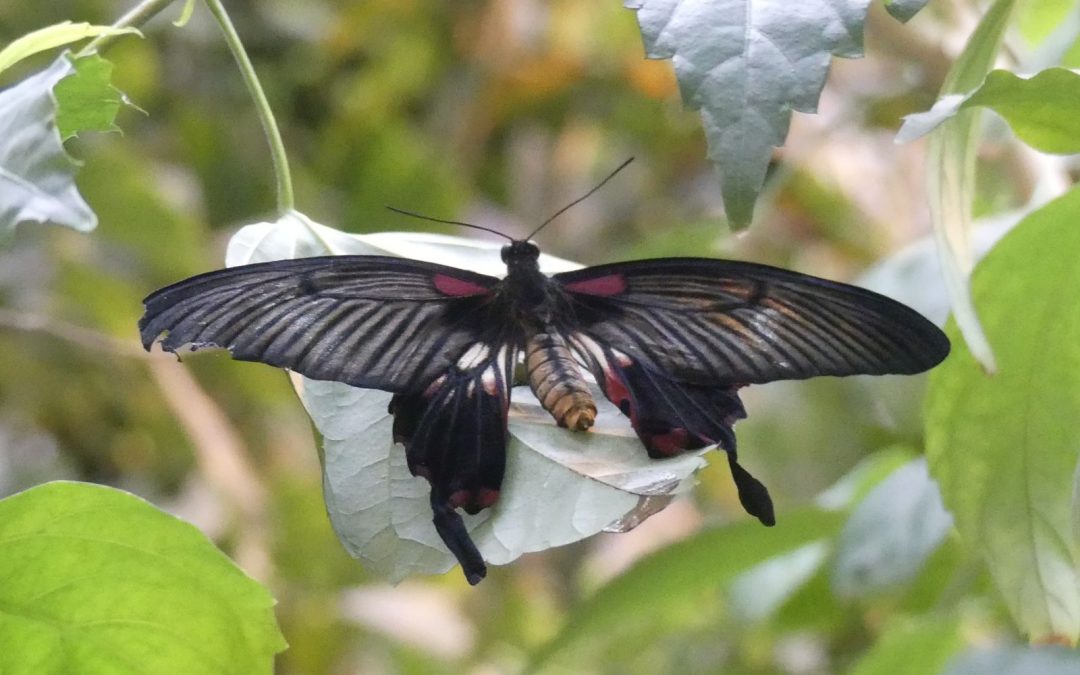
(185, 14)
(891, 533)
(1016, 661)
(1004, 449)
(559, 486)
(86, 99)
(98, 581)
(1043, 110)
(746, 65)
(950, 175)
(37, 178)
(50, 37)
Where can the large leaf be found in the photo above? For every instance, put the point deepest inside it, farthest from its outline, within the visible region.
(746, 64)
(1004, 449)
(950, 176)
(37, 178)
(559, 487)
(1043, 110)
(98, 581)
(666, 590)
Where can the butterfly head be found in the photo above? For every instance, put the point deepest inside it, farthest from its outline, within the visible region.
(520, 254)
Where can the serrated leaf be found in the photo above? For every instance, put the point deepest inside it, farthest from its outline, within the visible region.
(1043, 110)
(51, 37)
(746, 64)
(891, 533)
(97, 580)
(663, 591)
(950, 176)
(559, 486)
(86, 99)
(1005, 449)
(37, 178)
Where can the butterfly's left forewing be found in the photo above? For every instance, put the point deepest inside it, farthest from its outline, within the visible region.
(720, 322)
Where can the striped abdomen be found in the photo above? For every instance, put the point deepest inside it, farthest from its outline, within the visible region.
(556, 380)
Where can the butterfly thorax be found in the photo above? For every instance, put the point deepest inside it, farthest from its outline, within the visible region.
(553, 373)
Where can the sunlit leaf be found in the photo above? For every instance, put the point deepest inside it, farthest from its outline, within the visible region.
(37, 178)
(950, 176)
(1004, 449)
(86, 99)
(891, 533)
(95, 578)
(559, 486)
(51, 37)
(1043, 110)
(746, 65)
(663, 591)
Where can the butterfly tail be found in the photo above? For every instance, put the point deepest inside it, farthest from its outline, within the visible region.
(455, 437)
(671, 417)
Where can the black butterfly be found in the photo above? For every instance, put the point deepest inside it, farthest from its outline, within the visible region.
(669, 341)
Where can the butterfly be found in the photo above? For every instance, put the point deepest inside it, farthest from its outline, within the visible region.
(669, 341)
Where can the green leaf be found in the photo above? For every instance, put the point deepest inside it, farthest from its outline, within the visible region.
(746, 65)
(98, 581)
(1043, 110)
(50, 37)
(1004, 449)
(922, 645)
(664, 591)
(37, 178)
(950, 176)
(86, 99)
(891, 533)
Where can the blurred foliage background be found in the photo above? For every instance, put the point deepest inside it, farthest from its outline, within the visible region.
(493, 111)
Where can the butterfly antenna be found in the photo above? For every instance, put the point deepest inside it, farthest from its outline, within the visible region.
(580, 199)
(450, 222)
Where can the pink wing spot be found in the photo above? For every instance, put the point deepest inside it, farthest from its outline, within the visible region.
(671, 443)
(612, 284)
(458, 288)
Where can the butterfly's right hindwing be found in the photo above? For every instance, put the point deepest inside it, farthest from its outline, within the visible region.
(455, 436)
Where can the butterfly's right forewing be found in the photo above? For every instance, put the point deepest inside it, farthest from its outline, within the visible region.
(369, 321)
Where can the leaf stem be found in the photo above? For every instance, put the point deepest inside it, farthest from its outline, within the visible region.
(136, 16)
(285, 201)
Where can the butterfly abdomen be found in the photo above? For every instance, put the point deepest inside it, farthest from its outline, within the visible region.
(557, 382)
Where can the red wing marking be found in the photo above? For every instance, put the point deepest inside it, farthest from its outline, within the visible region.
(611, 284)
(458, 288)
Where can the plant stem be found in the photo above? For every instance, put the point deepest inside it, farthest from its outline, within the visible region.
(262, 106)
(137, 16)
